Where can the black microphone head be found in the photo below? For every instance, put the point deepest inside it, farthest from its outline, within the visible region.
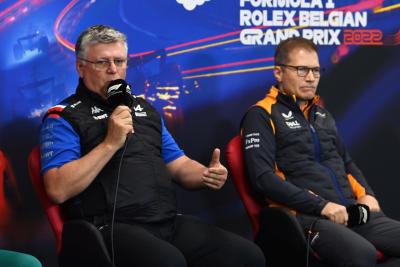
(119, 93)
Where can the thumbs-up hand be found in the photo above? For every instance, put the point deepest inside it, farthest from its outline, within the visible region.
(216, 174)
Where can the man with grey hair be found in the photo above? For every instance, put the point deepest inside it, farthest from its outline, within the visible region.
(87, 146)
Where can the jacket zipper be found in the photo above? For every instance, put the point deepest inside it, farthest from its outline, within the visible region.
(317, 149)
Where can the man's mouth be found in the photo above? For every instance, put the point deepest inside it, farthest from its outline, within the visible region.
(308, 88)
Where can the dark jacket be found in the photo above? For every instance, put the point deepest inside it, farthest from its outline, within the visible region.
(295, 158)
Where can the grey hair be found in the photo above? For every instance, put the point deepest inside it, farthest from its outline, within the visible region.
(98, 34)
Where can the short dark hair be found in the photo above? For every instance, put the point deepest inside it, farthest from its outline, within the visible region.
(98, 34)
(285, 47)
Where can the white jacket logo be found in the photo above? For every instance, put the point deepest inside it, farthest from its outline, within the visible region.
(288, 116)
(291, 124)
(96, 110)
(139, 111)
(138, 108)
(101, 117)
(96, 115)
(189, 5)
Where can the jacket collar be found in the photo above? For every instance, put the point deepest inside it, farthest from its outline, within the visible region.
(290, 99)
(83, 91)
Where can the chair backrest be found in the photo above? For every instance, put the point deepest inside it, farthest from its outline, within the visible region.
(6, 171)
(234, 158)
(52, 210)
(5, 211)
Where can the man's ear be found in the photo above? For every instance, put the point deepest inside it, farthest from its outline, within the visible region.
(278, 73)
(79, 67)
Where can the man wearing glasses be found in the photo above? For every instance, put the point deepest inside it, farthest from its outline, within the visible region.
(294, 158)
(82, 143)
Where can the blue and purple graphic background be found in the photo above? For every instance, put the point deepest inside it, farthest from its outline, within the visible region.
(192, 65)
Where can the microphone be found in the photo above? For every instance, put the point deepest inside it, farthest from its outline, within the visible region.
(358, 214)
(119, 93)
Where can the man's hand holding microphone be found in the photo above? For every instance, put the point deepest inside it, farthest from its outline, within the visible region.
(120, 123)
(352, 215)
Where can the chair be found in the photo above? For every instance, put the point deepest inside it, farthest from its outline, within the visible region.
(79, 243)
(9, 193)
(275, 230)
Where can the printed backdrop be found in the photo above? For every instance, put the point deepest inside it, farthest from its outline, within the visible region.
(202, 63)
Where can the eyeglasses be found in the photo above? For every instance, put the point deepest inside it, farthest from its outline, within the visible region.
(106, 64)
(303, 71)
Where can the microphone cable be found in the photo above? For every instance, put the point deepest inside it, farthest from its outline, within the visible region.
(309, 241)
(115, 201)
(118, 93)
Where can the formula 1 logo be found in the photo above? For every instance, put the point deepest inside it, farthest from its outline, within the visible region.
(190, 5)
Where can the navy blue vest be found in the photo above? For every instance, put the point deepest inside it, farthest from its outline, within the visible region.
(146, 192)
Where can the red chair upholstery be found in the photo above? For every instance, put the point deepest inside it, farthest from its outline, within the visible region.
(234, 157)
(8, 191)
(79, 243)
(52, 210)
(276, 230)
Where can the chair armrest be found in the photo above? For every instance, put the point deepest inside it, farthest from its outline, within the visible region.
(83, 245)
(282, 229)
(282, 239)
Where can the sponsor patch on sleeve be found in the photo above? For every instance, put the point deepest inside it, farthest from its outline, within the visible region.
(251, 140)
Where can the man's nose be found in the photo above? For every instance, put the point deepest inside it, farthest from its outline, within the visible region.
(112, 68)
(310, 75)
